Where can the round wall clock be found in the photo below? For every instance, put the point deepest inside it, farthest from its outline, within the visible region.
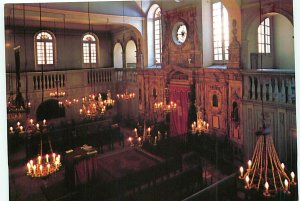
(179, 33)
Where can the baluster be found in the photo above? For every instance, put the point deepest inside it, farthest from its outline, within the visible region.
(53, 81)
(38, 80)
(275, 95)
(253, 89)
(258, 90)
(49, 81)
(264, 90)
(289, 91)
(34, 82)
(59, 80)
(270, 90)
(283, 95)
(46, 81)
(63, 80)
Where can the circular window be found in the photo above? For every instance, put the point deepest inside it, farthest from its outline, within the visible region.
(179, 33)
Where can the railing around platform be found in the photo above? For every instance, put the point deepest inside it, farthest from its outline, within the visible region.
(277, 86)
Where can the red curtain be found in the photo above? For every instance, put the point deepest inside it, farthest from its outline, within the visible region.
(179, 116)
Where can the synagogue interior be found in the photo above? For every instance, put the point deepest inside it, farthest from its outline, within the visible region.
(155, 100)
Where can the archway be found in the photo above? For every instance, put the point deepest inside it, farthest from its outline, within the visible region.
(130, 54)
(49, 110)
(118, 56)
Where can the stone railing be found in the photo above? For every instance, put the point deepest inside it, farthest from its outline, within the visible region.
(277, 86)
(68, 79)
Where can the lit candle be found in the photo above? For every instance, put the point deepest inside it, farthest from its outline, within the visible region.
(48, 167)
(56, 165)
(53, 155)
(149, 131)
(249, 164)
(247, 181)
(293, 177)
(41, 169)
(155, 139)
(266, 188)
(44, 122)
(39, 159)
(11, 129)
(21, 128)
(38, 126)
(241, 171)
(34, 169)
(286, 184)
(29, 168)
(47, 158)
(31, 121)
(58, 158)
(29, 104)
(282, 166)
(18, 124)
(31, 163)
(80, 111)
(130, 140)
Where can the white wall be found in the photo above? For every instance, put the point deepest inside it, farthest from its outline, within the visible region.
(207, 33)
(130, 52)
(283, 43)
(118, 57)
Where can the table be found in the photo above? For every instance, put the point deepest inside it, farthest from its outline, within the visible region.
(80, 166)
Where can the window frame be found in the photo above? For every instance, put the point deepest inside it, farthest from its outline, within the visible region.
(154, 38)
(265, 44)
(96, 43)
(45, 51)
(224, 49)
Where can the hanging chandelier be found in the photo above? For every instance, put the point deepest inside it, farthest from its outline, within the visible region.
(42, 165)
(57, 94)
(265, 172)
(126, 95)
(200, 126)
(165, 107)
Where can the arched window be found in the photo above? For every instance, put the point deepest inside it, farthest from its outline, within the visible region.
(220, 32)
(118, 56)
(264, 36)
(154, 36)
(44, 48)
(157, 36)
(89, 45)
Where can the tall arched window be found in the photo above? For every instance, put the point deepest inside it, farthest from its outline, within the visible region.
(89, 45)
(44, 48)
(157, 36)
(264, 36)
(220, 32)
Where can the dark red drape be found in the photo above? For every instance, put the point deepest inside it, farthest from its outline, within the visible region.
(179, 116)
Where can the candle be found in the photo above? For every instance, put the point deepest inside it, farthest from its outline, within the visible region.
(241, 171)
(39, 159)
(249, 164)
(44, 122)
(58, 158)
(21, 128)
(29, 104)
(34, 168)
(41, 169)
(38, 126)
(266, 188)
(18, 124)
(11, 129)
(31, 163)
(149, 131)
(48, 167)
(56, 165)
(31, 121)
(247, 181)
(282, 166)
(80, 111)
(29, 168)
(47, 158)
(293, 177)
(155, 139)
(53, 155)
(286, 184)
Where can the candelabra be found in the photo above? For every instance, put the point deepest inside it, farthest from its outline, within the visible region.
(265, 172)
(199, 126)
(126, 95)
(165, 107)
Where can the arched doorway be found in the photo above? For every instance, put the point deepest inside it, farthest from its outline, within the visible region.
(130, 54)
(49, 110)
(118, 56)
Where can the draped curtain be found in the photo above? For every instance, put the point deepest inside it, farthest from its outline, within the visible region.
(179, 117)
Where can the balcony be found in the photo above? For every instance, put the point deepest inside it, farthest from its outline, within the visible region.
(269, 85)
